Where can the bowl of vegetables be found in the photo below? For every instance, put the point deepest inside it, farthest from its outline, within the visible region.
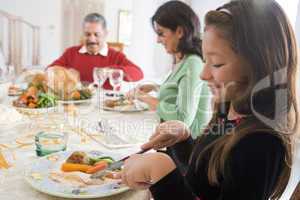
(35, 100)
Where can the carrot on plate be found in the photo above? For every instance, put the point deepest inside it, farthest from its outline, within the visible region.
(101, 165)
(71, 167)
(32, 105)
(3, 162)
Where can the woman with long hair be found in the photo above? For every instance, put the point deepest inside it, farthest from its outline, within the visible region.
(250, 56)
(183, 96)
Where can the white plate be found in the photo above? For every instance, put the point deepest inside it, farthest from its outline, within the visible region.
(43, 167)
(84, 101)
(138, 106)
(35, 111)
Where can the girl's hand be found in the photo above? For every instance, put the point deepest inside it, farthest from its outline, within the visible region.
(140, 171)
(167, 134)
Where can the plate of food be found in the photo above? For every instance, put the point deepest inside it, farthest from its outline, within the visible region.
(124, 105)
(67, 86)
(78, 96)
(67, 175)
(34, 101)
(28, 77)
(36, 98)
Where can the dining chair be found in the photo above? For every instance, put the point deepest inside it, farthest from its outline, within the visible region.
(118, 46)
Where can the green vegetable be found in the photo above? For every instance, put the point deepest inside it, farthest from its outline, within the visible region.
(104, 158)
(46, 100)
(109, 161)
(85, 94)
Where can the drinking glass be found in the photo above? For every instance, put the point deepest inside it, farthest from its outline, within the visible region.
(3, 73)
(115, 78)
(11, 73)
(50, 142)
(100, 75)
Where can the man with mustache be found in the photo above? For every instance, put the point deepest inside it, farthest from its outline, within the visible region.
(94, 52)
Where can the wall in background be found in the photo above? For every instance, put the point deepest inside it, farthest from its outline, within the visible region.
(297, 25)
(74, 12)
(111, 13)
(47, 15)
(201, 7)
(290, 7)
(143, 49)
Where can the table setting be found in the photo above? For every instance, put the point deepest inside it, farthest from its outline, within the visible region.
(35, 144)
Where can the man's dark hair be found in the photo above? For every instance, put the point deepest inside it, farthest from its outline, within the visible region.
(95, 18)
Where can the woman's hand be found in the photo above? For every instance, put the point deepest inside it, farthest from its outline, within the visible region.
(146, 88)
(141, 90)
(140, 171)
(151, 101)
(167, 134)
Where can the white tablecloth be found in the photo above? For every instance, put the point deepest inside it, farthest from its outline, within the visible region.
(133, 128)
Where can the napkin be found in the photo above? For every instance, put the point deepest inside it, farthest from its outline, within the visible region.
(9, 115)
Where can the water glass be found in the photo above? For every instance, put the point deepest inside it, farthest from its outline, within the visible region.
(3, 74)
(50, 142)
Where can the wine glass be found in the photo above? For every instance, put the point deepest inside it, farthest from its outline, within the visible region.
(100, 75)
(11, 73)
(3, 73)
(115, 78)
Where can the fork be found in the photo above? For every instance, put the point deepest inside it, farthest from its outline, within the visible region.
(115, 165)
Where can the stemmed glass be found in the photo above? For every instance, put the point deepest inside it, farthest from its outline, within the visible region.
(11, 73)
(7, 73)
(100, 75)
(3, 73)
(115, 78)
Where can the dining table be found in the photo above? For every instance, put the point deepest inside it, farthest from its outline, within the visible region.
(89, 128)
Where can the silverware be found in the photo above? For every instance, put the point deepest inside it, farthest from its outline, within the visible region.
(101, 126)
(104, 127)
(113, 166)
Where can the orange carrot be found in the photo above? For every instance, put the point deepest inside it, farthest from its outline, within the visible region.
(70, 167)
(32, 105)
(32, 91)
(3, 162)
(101, 165)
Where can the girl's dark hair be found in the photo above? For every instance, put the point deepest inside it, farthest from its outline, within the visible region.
(259, 32)
(174, 14)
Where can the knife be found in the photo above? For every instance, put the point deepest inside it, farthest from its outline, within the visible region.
(115, 165)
